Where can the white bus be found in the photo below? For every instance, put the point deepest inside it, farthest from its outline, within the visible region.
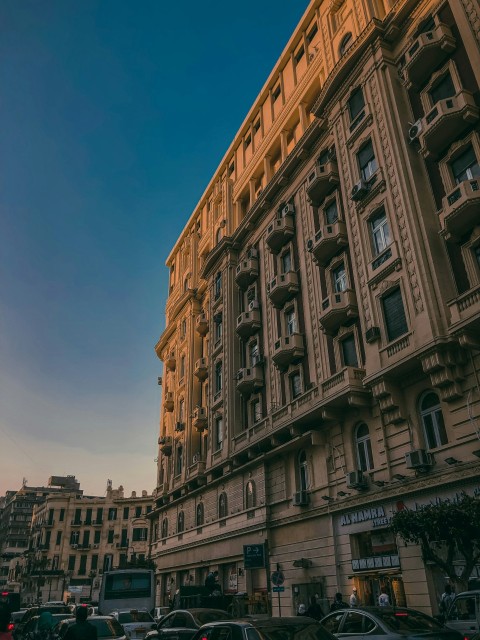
(127, 589)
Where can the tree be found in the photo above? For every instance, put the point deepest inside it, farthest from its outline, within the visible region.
(446, 532)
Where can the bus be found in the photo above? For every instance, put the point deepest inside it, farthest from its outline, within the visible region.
(11, 600)
(127, 589)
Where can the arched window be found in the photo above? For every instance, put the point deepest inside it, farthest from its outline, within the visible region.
(432, 420)
(250, 498)
(200, 514)
(302, 471)
(164, 527)
(345, 43)
(222, 505)
(363, 447)
(181, 522)
(179, 460)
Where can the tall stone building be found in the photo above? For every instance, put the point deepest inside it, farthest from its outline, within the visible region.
(321, 349)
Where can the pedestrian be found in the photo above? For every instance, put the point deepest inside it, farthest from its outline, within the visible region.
(446, 600)
(302, 610)
(211, 582)
(338, 603)
(45, 627)
(5, 633)
(383, 599)
(314, 609)
(354, 601)
(81, 629)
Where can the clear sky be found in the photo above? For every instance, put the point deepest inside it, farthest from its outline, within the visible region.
(114, 114)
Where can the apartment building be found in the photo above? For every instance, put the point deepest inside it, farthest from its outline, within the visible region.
(321, 350)
(75, 538)
(16, 519)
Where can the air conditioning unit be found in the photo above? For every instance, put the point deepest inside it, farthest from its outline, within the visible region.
(95, 546)
(196, 458)
(309, 245)
(418, 459)
(252, 253)
(288, 208)
(356, 480)
(254, 304)
(300, 499)
(180, 426)
(359, 190)
(74, 546)
(415, 130)
(372, 334)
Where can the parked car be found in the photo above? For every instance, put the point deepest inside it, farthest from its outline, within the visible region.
(160, 612)
(31, 627)
(464, 613)
(16, 618)
(36, 611)
(265, 628)
(137, 623)
(182, 624)
(386, 623)
(108, 628)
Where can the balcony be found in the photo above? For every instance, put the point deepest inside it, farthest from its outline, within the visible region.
(460, 211)
(327, 242)
(76, 523)
(170, 362)
(200, 419)
(201, 324)
(288, 350)
(426, 53)
(345, 387)
(283, 288)
(196, 476)
(279, 232)
(248, 323)
(168, 402)
(337, 309)
(385, 262)
(250, 379)
(465, 311)
(446, 121)
(201, 369)
(322, 180)
(247, 272)
(165, 445)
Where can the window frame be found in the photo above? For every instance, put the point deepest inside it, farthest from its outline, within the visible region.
(222, 506)
(448, 67)
(390, 291)
(369, 169)
(295, 375)
(432, 412)
(363, 448)
(386, 237)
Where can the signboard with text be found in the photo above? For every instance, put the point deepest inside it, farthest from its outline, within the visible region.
(254, 556)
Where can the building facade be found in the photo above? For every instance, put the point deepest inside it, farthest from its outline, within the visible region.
(75, 538)
(321, 349)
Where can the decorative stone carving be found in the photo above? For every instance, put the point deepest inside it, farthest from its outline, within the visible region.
(387, 395)
(445, 368)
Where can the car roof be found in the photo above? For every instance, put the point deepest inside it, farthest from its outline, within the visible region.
(265, 621)
(471, 592)
(372, 609)
(197, 610)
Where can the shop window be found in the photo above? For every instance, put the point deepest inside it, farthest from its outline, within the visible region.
(442, 88)
(250, 500)
(296, 384)
(199, 514)
(179, 460)
(432, 420)
(222, 505)
(345, 43)
(363, 447)
(181, 522)
(286, 262)
(380, 232)
(331, 212)
(356, 106)
(348, 351)
(165, 528)
(302, 467)
(291, 321)
(339, 278)
(394, 315)
(367, 161)
(465, 166)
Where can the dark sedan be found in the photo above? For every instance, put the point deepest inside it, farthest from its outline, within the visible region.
(264, 628)
(386, 623)
(108, 628)
(182, 624)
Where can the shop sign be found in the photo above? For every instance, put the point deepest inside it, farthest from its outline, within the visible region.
(374, 514)
(232, 580)
(376, 562)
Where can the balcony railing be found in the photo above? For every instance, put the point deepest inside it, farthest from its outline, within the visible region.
(200, 418)
(426, 53)
(288, 350)
(322, 180)
(246, 272)
(201, 324)
(250, 379)
(201, 369)
(329, 239)
(460, 211)
(337, 309)
(248, 323)
(279, 232)
(283, 288)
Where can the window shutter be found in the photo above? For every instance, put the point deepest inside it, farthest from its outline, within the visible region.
(394, 313)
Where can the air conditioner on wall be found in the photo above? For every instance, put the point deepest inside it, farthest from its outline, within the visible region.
(415, 130)
(254, 304)
(288, 208)
(418, 459)
(300, 499)
(252, 253)
(356, 480)
(359, 190)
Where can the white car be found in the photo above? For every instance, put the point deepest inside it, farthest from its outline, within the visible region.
(135, 622)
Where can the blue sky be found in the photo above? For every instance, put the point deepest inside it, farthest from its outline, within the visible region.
(114, 115)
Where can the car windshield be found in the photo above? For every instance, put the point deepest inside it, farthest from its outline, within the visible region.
(204, 617)
(107, 628)
(408, 621)
(134, 616)
(293, 631)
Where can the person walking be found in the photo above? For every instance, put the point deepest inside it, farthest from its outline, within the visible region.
(383, 599)
(314, 609)
(446, 600)
(338, 603)
(211, 582)
(302, 610)
(45, 626)
(81, 629)
(354, 601)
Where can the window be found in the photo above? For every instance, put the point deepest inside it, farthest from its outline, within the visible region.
(71, 563)
(248, 141)
(181, 522)
(303, 482)
(291, 321)
(138, 512)
(217, 288)
(88, 517)
(367, 161)
(276, 93)
(199, 515)
(394, 314)
(86, 538)
(185, 285)
(465, 166)
(62, 515)
(183, 329)
(231, 169)
(126, 512)
(222, 505)
(324, 157)
(476, 254)
(286, 262)
(256, 126)
(94, 563)
(432, 420)
(107, 562)
(253, 353)
(256, 408)
(218, 327)
(82, 569)
(97, 536)
(112, 513)
(349, 351)
(363, 447)
(442, 89)
(165, 528)
(339, 278)
(218, 377)
(356, 104)
(99, 518)
(380, 232)
(218, 237)
(110, 535)
(312, 33)
(299, 54)
(179, 460)
(345, 43)
(139, 534)
(74, 536)
(331, 212)
(182, 367)
(250, 500)
(296, 384)
(181, 415)
(218, 432)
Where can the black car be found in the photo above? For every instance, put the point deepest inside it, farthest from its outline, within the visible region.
(33, 612)
(265, 628)
(108, 628)
(386, 623)
(31, 627)
(182, 624)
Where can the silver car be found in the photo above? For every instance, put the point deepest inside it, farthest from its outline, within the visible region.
(137, 623)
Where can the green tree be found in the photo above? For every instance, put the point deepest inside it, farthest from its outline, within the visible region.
(446, 532)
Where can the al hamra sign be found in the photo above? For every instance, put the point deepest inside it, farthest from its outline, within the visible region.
(375, 514)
